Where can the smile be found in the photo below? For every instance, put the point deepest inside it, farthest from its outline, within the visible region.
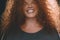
(30, 11)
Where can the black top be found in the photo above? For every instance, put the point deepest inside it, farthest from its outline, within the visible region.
(18, 34)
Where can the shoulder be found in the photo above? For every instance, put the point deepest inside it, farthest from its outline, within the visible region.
(54, 35)
(51, 36)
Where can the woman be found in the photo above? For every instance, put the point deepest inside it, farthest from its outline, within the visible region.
(27, 20)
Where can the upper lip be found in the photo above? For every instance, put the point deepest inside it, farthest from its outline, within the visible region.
(30, 8)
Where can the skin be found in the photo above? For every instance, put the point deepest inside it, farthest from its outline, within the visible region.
(31, 24)
(28, 5)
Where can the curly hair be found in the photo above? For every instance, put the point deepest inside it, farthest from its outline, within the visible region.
(48, 14)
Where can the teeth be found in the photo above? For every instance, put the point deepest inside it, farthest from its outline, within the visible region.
(30, 11)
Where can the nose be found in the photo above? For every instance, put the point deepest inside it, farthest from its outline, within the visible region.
(30, 6)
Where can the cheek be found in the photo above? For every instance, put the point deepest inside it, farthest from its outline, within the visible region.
(35, 7)
(24, 8)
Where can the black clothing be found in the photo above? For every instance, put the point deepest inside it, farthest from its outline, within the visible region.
(18, 34)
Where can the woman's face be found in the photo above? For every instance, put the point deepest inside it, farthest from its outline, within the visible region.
(30, 8)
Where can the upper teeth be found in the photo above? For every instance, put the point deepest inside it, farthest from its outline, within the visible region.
(30, 11)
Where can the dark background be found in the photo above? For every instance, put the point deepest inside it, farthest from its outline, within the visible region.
(3, 3)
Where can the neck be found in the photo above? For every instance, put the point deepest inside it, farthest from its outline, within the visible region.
(30, 21)
(31, 25)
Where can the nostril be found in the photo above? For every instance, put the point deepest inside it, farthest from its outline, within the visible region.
(30, 5)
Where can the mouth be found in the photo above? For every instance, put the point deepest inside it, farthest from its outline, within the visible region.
(30, 11)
